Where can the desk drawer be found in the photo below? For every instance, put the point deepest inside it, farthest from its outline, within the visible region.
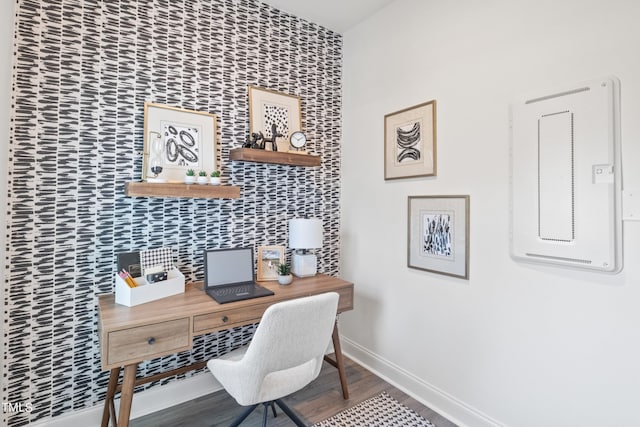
(149, 341)
(228, 318)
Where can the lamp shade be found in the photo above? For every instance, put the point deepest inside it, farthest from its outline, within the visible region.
(305, 233)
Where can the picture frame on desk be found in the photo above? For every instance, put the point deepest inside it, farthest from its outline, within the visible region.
(269, 258)
(438, 234)
(176, 140)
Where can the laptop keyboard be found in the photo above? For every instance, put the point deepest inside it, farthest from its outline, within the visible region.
(234, 290)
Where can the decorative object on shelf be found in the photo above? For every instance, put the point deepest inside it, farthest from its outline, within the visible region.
(438, 229)
(254, 141)
(304, 233)
(284, 274)
(203, 178)
(155, 156)
(298, 140)
(410, 142)
(274, 135)
(269, 259)
(268, 108)
(187, 138)
(190, 177)
(215, 178)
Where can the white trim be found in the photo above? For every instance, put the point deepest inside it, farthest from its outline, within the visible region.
(144, 403)
(440, 401)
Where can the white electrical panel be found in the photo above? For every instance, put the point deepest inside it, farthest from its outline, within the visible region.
(566, 178)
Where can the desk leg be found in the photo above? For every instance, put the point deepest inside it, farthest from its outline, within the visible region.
(128, 382)
(109, 409)
(339, 362)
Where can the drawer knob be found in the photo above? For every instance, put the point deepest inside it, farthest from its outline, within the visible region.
(225, 319)
(151, 341)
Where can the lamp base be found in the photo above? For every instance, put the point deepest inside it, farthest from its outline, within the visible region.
(303, 265)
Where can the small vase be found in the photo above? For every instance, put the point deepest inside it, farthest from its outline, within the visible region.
(285, 280)
(215, 180)
(202, 180)
(189, 179)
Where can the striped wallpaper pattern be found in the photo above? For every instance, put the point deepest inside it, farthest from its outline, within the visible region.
(82, 72)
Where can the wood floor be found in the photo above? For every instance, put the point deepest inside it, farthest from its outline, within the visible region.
(319, 400)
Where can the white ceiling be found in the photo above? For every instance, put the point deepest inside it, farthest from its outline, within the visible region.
(336, 15)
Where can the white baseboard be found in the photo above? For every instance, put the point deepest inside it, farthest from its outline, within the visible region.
(443, 403)
(145, 402)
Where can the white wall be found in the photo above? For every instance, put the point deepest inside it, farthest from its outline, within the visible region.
(520, 345)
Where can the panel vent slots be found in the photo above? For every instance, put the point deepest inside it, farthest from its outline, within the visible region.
(558, 258)
(557, 95)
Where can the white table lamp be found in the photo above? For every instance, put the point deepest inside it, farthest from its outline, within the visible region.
(304, 234)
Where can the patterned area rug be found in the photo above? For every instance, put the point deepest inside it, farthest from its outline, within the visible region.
(379, 411)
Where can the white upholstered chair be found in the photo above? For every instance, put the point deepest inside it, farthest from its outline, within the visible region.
(284, 355)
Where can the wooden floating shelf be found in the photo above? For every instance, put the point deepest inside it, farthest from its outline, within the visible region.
(277, 157)
(148, 189)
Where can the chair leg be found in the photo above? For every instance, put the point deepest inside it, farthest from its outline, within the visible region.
(244, 415)
(264, 415)
(266, 411)
(290, 413)
(273, 407)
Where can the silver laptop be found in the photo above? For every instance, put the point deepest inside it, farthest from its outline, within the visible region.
(228, 275)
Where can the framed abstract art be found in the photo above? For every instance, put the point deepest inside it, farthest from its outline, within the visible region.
(438, 234)
(176, 140)
(410, 142)
(268, 108)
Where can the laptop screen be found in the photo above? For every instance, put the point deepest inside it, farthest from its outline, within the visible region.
(228, 266)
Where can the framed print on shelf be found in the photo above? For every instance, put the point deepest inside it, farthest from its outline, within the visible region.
(438, 234)
(410, 142)
(269, 258)
(267, 108)
(176, 140)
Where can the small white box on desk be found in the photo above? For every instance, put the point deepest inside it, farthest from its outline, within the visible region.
(146, 292)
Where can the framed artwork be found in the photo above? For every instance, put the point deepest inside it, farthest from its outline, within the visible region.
(176, 140)
(410, 142)
(269, 258)
(438, 234)
(267, 108)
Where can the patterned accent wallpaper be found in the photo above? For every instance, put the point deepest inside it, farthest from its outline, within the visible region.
(83, 70)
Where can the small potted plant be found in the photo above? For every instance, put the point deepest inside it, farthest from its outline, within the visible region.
(215, 178)
(202, 178)
(284, 274)
(190, 177)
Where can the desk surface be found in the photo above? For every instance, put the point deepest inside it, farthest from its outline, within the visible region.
(133, 334)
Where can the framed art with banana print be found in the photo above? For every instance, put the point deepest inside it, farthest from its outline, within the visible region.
(176, 140)
(410, 142)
